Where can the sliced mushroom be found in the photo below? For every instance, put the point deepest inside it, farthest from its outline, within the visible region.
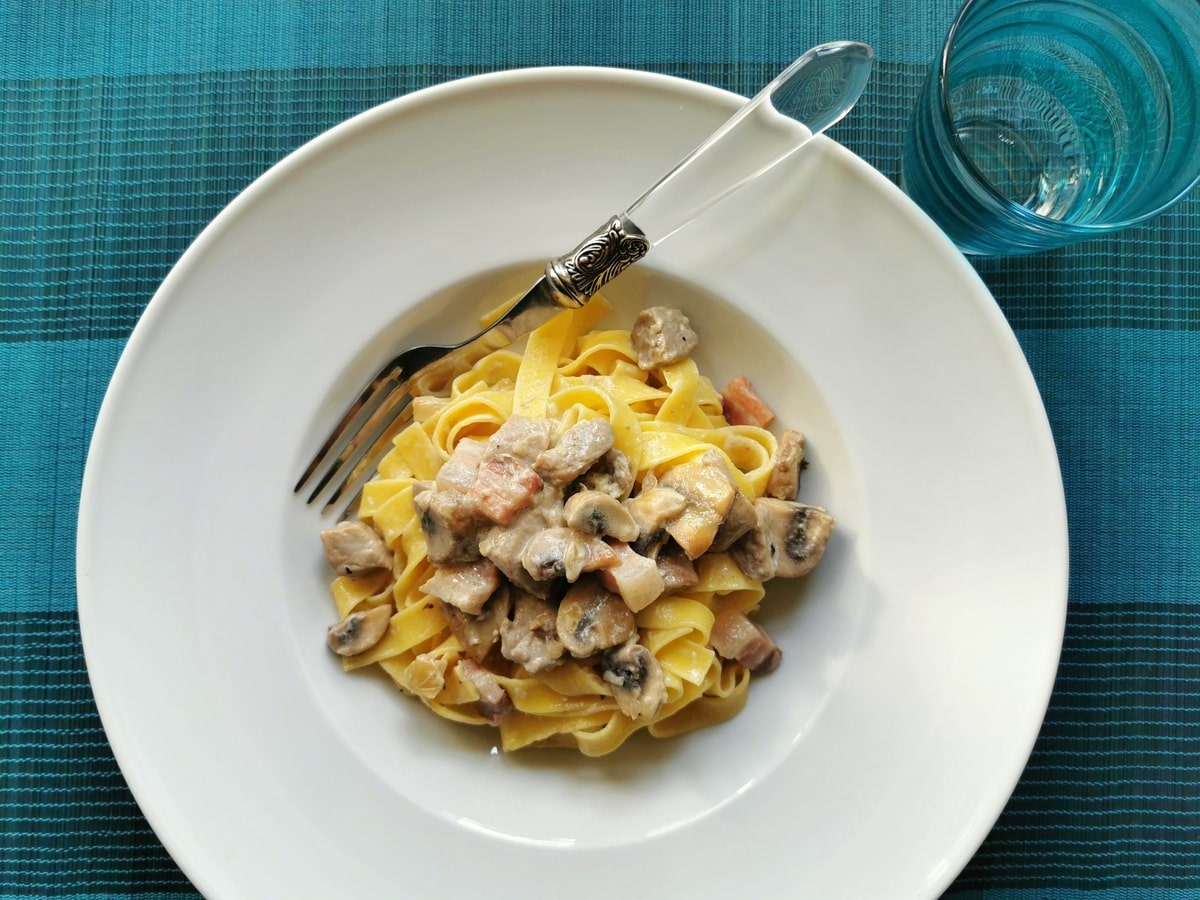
(353, 548)
(360, 631)
(591, 619)
(634, 577)
(661, 336)
(450, 524)
(478, 634)
(735, 637)
(754, 552)
(677, 571)
(800, 534)
(530, 637)
(579, 448)
(504, 485)
(637, 680)
(505, 545)
(787, 542)
(709, 492)
(784, 479)
(612, 474)
(740, 519)
(559, 552)
(595, 512)
(464, 585)
(494, 702)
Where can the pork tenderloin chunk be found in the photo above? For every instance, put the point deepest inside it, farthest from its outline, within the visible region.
(784, 480)
(466, 586)
(661, 336)
(353, 548)
(520, 437)
(479, 633)
(451, 525)
(530, 637)
(505, 544)
(459, 471)
(580, 447)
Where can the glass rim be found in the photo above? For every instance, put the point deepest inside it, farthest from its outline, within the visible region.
(943, 93)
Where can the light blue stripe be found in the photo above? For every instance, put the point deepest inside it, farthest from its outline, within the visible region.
(69, 38)
(1124, 405)
(49, 396)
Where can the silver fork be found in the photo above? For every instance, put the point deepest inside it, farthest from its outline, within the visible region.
(817, 90)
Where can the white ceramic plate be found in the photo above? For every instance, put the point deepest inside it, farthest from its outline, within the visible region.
(918, 657)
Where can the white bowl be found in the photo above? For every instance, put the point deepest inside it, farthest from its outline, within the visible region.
(918, 658)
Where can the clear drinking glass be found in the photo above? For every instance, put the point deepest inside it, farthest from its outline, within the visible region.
(1045, 122)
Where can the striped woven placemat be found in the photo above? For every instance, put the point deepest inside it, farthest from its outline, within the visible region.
(125, 126)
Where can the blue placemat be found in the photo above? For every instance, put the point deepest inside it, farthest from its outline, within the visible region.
(125, 126)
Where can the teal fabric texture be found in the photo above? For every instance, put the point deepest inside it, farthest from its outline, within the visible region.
(126, 126)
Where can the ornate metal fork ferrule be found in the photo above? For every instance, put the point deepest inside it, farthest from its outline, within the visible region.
(602, 256)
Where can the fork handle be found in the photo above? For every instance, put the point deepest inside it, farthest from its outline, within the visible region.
(601, 257)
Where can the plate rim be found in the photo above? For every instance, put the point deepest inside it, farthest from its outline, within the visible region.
(100, 442)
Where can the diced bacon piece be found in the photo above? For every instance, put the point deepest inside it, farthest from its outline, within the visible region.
(734, 636)
(743, 406)
(504, 486)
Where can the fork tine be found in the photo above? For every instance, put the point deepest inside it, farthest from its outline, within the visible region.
(352, 422)
(364, 437)
(392, 416)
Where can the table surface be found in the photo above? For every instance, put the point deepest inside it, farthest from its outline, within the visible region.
(125, 126)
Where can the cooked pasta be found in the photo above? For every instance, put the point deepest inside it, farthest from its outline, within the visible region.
(569, 543)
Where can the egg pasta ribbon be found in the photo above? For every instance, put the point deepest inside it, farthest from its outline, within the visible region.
(567, 373)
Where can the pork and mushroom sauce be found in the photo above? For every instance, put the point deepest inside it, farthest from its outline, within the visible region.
(547, 559)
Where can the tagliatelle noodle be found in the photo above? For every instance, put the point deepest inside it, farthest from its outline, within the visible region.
(568, 372)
